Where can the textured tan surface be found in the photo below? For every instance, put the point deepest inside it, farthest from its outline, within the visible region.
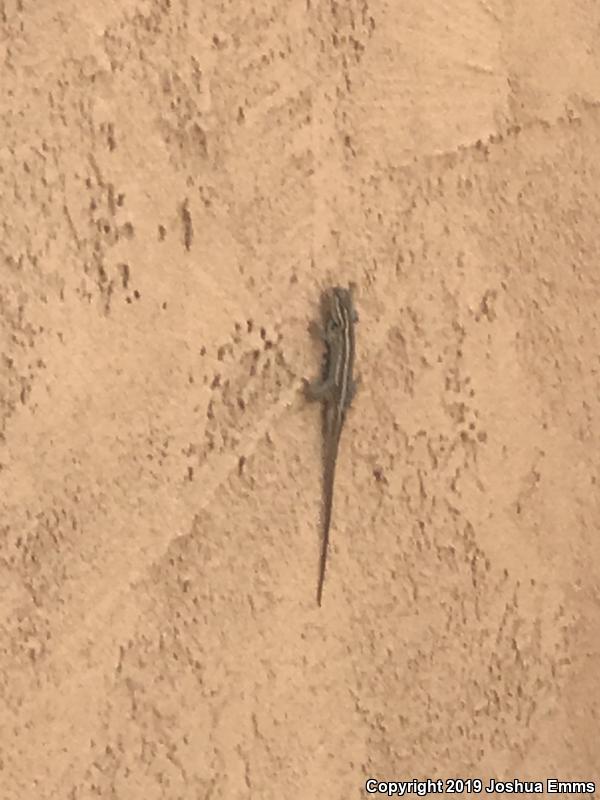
(176, 185)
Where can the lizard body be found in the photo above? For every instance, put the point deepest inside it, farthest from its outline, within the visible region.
(336, 390)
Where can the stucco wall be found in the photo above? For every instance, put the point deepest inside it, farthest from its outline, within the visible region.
(178, 182)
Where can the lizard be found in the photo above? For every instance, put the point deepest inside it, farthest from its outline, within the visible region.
(336, 390)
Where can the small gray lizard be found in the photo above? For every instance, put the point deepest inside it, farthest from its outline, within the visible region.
(336, 390)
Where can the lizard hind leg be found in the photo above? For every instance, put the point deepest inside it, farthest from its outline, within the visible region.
(352, 389)
(318, 390)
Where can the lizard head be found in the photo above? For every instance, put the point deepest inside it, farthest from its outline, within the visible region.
(341, 307)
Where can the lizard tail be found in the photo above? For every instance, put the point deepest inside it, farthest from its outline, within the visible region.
(322, 566)
(328, 484)
(322, 569)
